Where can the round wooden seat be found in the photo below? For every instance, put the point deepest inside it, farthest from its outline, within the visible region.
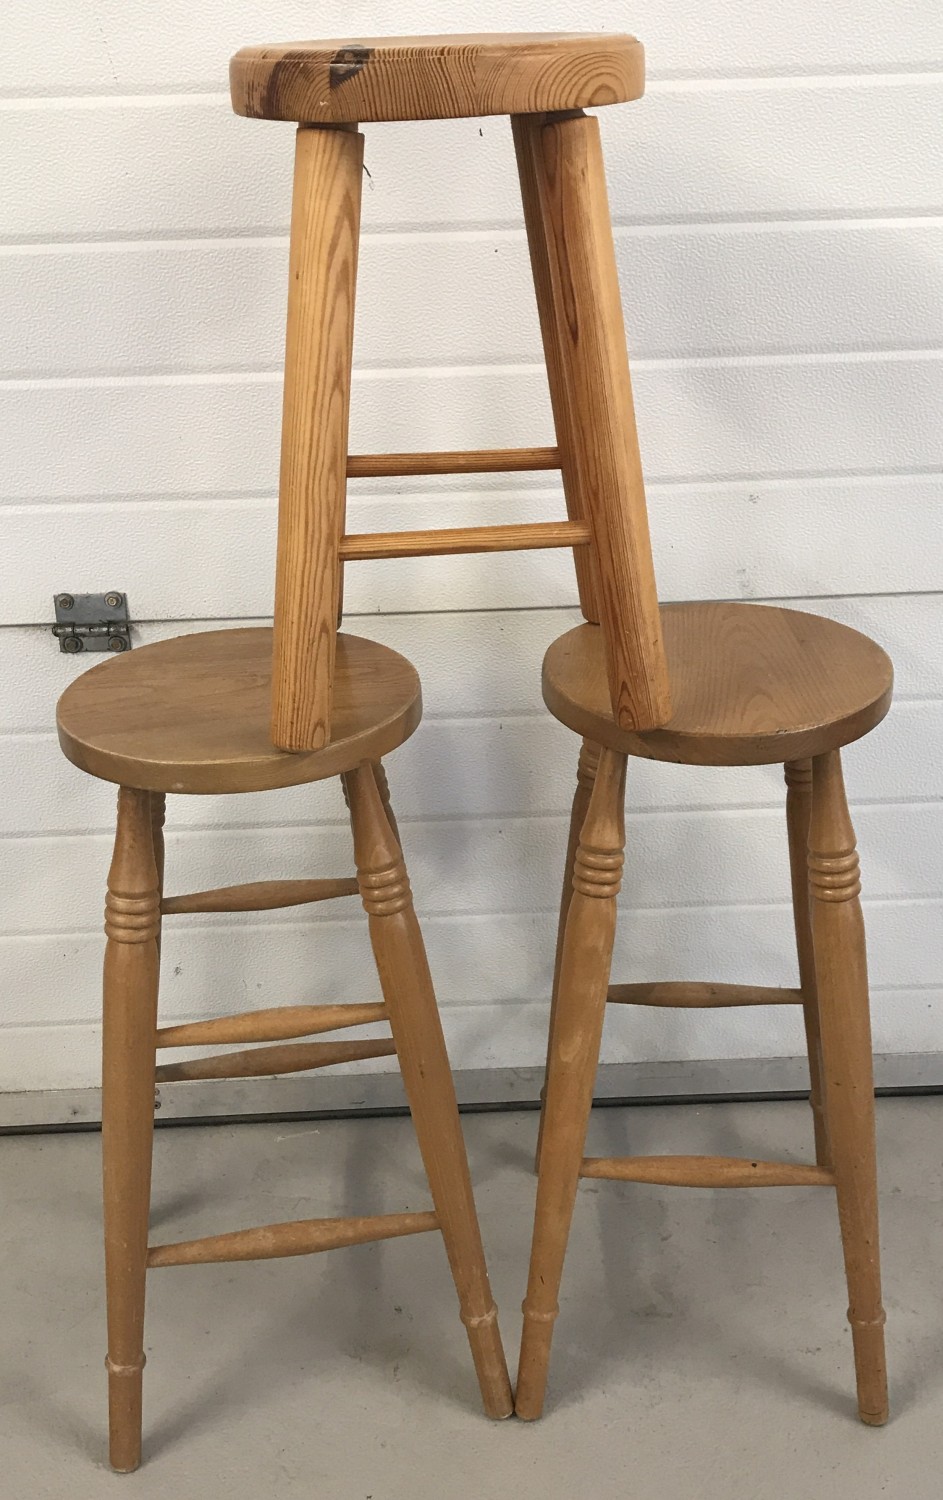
(434, 77)
(192, 714)
(751, 684)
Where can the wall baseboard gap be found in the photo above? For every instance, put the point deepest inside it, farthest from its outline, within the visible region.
(478, 1090)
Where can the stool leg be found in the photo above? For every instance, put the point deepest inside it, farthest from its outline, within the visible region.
(578, 1023)
(420, 1046)
(585, 776)
(325, 230)
(573, 259)
(842, 978)
(158, 812)
(798, 813)
(132, 920)
(525, 130)
(379, 771)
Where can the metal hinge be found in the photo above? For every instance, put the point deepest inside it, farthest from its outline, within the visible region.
(92, 622)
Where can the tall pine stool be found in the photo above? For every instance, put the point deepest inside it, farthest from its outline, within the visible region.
(698, 684)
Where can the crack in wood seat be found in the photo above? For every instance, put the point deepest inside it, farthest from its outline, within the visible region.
(434, 77)
(751, 684)
(192, 714)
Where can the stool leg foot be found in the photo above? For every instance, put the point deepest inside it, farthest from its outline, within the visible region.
(585, 962)
(798, 813)
(417, 1031)
(585, 776)
(842, 980)
(132, 924)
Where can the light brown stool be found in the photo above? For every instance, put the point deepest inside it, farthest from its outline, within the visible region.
(191, 716)
(697, 684)
(751, 685)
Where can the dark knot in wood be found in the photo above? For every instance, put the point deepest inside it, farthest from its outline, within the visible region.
(798, 772)
(347, 62)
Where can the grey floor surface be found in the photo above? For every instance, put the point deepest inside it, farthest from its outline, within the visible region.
(701, 1350)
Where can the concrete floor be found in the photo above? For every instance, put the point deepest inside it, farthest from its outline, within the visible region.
(701, 1350)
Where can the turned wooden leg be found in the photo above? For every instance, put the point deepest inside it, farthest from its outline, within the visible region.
(842, 979)
(585, 776)
(158, 812)
(420, 1046)
(379, 771)
(578, 1023)
(798, 813)
(132, 920)
(566, 209)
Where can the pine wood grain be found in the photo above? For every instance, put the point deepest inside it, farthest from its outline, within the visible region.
(526, 132)
(585, 777)
(301, 1237)
(325, 233)
(833, 976)
(277, 1024)
(420, 1045)
(383, 787)
(192, 714)
(264, 1062)
(598, 440)
(158, 818)
(847, 1070)
(751, 684)
(434, 77)
(798, 774)
(462, 461)
(706, 1171)
(581, 1005)
(688, 995)
(132, 924)
(259, 895)
(457, 539)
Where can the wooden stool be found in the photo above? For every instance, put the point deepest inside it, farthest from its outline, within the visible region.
(751, 685)
(191, 716)
(698, 684)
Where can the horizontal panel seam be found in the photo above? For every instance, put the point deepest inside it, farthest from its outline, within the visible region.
(457, 233)
(799, 352)
(497, 609)
(246, 500)
(475, 819)
(470, 1005)
(465, 916)
(511, 368)
(717, 219)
